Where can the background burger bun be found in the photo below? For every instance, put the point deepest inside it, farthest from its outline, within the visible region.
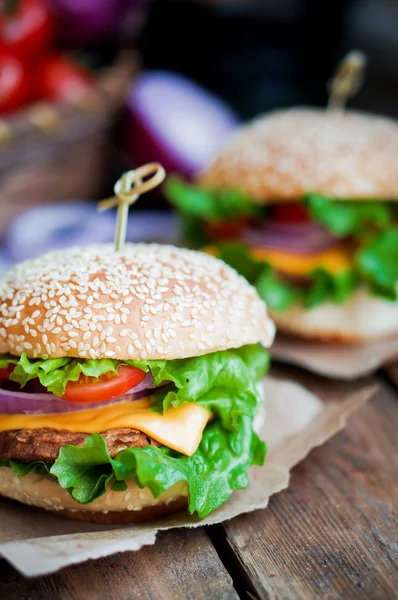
(282, 156)
(147, 302)
(363, 318)
(133, 505)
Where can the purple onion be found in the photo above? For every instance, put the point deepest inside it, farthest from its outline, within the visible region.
(146, 384)
(87, 21)
(12, 402)
(176, 122)
(300, 238)
(36, 404)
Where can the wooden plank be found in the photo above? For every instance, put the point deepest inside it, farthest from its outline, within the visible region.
(332, 534)
(182, 565)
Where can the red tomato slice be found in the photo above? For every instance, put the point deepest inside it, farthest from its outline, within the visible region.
(227, 229)
(61, 78)
(5, 373)
(28, 28)
(290, 213)
(15, 82)
(89, 389)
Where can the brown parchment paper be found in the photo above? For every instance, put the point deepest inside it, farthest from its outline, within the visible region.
(335, 360)
(295, 421)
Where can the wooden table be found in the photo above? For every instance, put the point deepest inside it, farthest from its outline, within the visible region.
(332, 535)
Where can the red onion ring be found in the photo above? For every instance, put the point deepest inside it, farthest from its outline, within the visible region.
(300, 238)
(45, 403)
(146, 384)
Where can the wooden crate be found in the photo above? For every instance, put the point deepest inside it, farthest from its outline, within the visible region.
(54, 152)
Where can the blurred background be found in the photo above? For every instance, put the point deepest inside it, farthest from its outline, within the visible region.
(92, 88)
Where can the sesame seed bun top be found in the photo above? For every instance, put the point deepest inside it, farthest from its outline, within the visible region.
(281, 156)
(146, 302)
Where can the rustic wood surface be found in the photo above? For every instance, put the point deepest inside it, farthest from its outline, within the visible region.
(332, 535)
(179, 567)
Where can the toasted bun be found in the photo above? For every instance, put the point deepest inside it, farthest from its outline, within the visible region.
(133, 505)
(148, 302)
(286, 154)
(364, 318)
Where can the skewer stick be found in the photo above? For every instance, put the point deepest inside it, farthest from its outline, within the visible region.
(128, 189)
(347, 80)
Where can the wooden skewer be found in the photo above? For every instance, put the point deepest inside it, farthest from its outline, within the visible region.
(347, 80)
(128, 189)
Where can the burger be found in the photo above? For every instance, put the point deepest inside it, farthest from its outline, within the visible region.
(129, 382)
(303, 203)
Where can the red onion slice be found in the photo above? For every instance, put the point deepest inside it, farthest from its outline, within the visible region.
(146, 384)
(44, 403)
(300, 238)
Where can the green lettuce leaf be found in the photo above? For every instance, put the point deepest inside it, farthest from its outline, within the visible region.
(222, 382)
(377, 262)
(237, 256)
(54, 373)
(21, 469)
(207, 205)
(213, 472)
(276, 292)
(193, 232)
(348, 217)
(279, 293)
(325, 286)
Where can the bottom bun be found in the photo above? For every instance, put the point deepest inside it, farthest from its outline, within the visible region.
(362, 319)
(133, 505)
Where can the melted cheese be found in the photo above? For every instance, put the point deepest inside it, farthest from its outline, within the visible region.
(178, 428)
(336, 260)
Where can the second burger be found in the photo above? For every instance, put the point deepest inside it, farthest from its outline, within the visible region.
(303, 203)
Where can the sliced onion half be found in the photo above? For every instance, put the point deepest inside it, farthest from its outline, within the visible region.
(301, 238)
(176, 121)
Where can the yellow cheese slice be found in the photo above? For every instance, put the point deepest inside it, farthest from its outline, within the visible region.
(336, 260)
(178, 428)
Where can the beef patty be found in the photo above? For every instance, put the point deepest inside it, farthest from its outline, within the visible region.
(28, 445)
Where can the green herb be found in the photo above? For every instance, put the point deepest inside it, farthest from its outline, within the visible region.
(279, 293)
(377, 263)
(222, 382)
(206, 205)
(344, 217)
(54, 373)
